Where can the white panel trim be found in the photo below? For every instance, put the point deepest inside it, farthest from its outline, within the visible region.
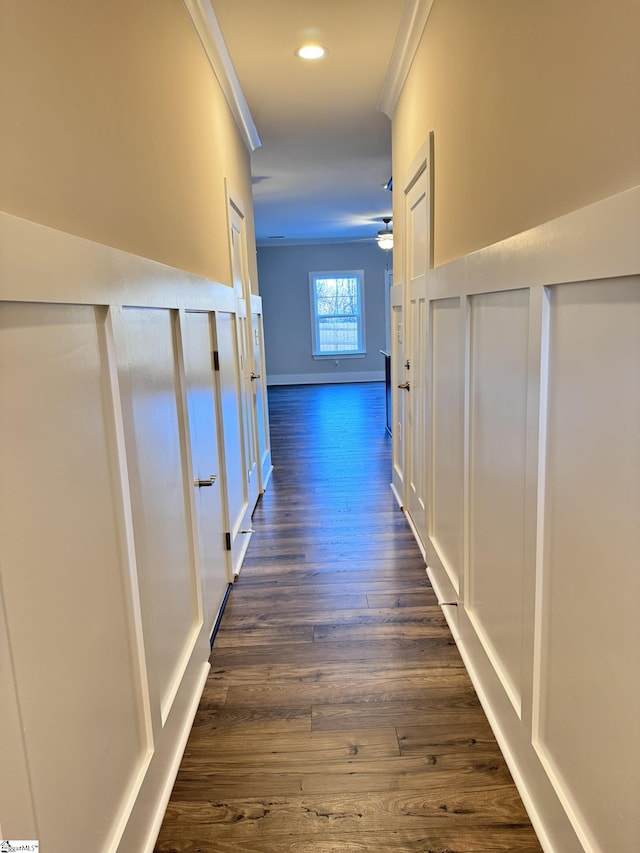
(596, 242)
(191, 640)
(444, 562)
(578, 817)
(187, 460)
(538, 629)
(396, 496)
(17, 806)
(42, 264)
(510, 689)
(530, 804)
(210, 35)
(325, 378)
(120, 474)
(125, 520)
(412, 26)
(442, 586)
(39, 264)
(180, 744)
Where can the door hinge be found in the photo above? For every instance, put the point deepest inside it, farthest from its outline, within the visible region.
(216, 359)
(228, 540)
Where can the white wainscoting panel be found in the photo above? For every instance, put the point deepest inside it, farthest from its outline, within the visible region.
(102, 571)
(498, 420)
(77, 675)
(587, 712)
(545, 421)
(447, 437)
(172, 609)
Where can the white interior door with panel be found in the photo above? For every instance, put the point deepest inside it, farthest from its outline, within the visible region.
(241, 284)
(398, 394)
(259, 394)
(239, 506)
(207, 479)
(417, 249)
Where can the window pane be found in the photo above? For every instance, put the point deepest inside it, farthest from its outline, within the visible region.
(336, 306)
(337, 334)
(336, 296)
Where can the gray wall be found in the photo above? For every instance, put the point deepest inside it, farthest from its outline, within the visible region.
(283, 275)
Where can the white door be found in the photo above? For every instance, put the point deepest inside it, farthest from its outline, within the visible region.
(208, 482)
(260, 408)
(398, 394)
(239, 264)
(239, 508)
(417, 261)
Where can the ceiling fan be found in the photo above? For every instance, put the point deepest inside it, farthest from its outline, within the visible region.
(384, 237)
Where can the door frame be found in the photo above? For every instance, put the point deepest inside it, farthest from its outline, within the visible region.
(421, 164)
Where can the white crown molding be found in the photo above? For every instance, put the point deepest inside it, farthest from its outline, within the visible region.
(210, 34)
(414, 20)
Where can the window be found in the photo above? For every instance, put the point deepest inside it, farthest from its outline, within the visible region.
(337, 311)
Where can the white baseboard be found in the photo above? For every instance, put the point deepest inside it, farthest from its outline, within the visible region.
(325, 378)
(178, 752)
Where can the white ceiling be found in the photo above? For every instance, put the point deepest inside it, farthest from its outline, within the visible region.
(326, 148)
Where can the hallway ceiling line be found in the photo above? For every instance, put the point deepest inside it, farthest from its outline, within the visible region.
(320, 174)
(210, 35)
(414, 21)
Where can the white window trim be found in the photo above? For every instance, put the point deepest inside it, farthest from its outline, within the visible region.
(359, 274)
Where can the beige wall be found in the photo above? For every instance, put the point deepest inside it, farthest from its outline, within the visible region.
(534, 108)
(114, 128)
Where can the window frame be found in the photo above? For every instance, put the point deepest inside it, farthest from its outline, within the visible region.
(324, 274)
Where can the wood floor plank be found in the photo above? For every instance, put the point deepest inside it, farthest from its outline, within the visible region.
(458, 706)
(277, 573)
(337, 716)
(249, 750)
(301, 603)
(249, 635)
(438, 651)
(334, 815)
(319, 617)
(479, 839)
(417, 598)
(354, 584)
(213, 724)
(378, 674)
(354, 690)
(206, 779)
(380, 630)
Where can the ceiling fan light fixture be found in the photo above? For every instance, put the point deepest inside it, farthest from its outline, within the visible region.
(311, 51)
(385, 237)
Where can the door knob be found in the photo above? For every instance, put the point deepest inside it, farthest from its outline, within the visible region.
(405, 386)
(254, 376)
(202, 483)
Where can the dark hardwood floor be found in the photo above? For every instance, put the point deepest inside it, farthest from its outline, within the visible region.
(338, 715)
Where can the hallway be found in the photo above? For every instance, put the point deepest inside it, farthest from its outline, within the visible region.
(337, 715)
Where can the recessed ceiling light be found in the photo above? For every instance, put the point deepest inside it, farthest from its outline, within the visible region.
(311, 51)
